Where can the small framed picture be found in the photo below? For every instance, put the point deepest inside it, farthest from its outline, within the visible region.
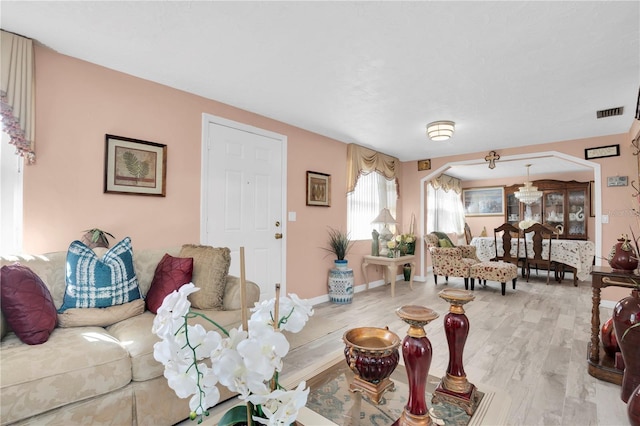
(601, 152)
(617, 180)
(424, 165)
(318, 189)
(132, 166)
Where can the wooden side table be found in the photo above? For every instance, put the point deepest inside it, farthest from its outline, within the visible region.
(601, 366)
(391, 268)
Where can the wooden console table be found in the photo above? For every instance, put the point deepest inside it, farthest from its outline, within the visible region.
(391, 268)
(600, 365)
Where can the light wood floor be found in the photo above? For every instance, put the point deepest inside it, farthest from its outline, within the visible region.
(531, 342)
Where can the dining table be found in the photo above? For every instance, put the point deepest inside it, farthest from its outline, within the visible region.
(577, 254)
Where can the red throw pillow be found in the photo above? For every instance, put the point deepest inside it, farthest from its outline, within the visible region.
(171, 274)
(27, 304)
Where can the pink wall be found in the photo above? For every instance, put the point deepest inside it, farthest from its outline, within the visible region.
(77, 103)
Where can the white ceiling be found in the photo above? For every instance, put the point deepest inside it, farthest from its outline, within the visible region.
(374, 73)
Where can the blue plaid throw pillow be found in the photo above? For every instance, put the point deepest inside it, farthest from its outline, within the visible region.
(100, 283)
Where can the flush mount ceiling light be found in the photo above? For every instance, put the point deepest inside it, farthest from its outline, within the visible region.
(440, 130)
(528, 194)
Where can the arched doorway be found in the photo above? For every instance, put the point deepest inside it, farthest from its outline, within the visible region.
(597, 192)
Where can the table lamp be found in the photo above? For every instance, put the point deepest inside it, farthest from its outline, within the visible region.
(385, 234)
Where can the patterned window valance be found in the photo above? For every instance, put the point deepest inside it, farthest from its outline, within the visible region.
(446, 183)
(17, 93)
(361, 160)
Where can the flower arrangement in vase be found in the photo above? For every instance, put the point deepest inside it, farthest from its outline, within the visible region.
(247, 360)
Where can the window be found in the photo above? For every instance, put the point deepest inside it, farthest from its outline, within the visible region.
(372, 193)
(445, 212)
(10, 198)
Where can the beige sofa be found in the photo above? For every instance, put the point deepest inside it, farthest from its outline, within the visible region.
(96, 375)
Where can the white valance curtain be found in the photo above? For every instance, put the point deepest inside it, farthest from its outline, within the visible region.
(361, 160)
(445, 212)
(447, 183)
(17, 93)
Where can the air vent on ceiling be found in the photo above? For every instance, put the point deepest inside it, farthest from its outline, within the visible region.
(611, 112)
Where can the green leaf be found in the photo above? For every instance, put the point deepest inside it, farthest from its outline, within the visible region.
(236, 415)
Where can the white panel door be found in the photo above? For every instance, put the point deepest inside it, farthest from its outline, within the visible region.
(243, 199)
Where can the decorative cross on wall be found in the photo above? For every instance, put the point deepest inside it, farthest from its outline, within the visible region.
(491, 158)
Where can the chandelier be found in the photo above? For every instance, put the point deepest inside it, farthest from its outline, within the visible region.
(528, 194)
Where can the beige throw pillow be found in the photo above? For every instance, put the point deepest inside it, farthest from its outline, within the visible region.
(210, 270)
(100, 317)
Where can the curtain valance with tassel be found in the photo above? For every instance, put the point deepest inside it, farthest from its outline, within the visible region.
(17, 92)
(446, 183)
(361, 160)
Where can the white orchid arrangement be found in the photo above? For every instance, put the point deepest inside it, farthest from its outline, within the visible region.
(245, 361)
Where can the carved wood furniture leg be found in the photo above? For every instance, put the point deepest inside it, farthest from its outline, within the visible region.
(594, 350)
(391, 271)
(364, 273)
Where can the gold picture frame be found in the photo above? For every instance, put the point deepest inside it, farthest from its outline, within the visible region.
(133, 166)
(318, 189)
(424, 165)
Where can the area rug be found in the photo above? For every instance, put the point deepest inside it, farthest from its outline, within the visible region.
(333, 400)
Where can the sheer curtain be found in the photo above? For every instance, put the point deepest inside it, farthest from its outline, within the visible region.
(17, 93)
(445, 212)
(372, 193)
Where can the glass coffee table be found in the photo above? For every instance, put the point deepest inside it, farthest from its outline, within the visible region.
(331, 403)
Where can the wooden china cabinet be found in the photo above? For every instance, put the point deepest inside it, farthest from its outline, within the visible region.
(563, 203)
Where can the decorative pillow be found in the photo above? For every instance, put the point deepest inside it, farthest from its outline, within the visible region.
(100, 317)
(27, 304)
(171, 274)
(210, 269)
(99, 283)
(445, 242)
(442, 236)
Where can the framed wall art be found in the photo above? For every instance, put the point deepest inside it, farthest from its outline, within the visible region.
(483, 201)
(617, 180)
(318, 189)
(602, 152)
(132, 166)
(424, 165)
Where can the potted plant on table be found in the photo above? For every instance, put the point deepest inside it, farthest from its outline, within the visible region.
(96, 238)
(341, 277)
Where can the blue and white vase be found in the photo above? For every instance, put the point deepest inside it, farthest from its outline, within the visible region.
(341, 283)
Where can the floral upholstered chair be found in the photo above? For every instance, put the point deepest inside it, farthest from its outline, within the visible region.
(450, 261)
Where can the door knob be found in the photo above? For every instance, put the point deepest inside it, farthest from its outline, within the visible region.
(278, 235)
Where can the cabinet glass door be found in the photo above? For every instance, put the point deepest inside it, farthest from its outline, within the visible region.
(513, 209)
(553, 208)
(577, 213)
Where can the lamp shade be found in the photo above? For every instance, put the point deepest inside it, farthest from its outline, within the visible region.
(384, 217)
(440, 130)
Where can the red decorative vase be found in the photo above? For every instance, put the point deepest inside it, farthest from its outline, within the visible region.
(633, 407)
(625, 315)
(608, 337)
(622, 257)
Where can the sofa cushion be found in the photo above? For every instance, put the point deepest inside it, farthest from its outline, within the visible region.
(94, 282)
(75, 364)
(136, 337)
(27, 304)
(445, 242)
(100, 317)
(442, 236)
(171, 274)
(210, 269)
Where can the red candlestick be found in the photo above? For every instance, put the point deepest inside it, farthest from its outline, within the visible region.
(417, 354)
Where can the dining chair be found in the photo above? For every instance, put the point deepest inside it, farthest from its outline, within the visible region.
(541, 233)
(508, 233)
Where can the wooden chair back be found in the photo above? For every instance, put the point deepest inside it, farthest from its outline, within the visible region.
(507, 232)
(540, 233)
(467, 233)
